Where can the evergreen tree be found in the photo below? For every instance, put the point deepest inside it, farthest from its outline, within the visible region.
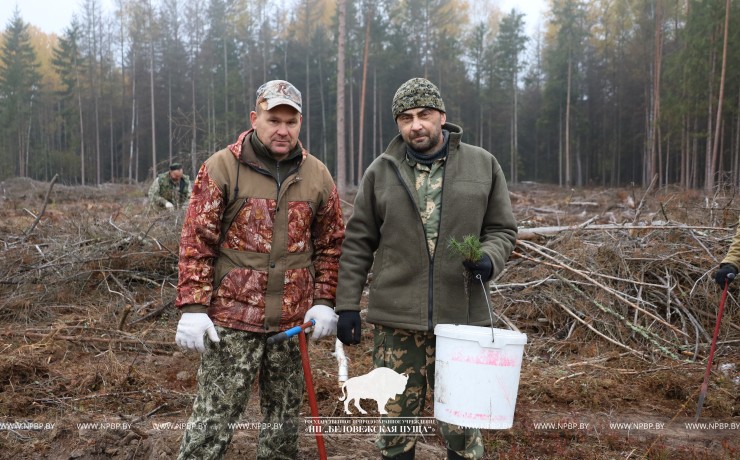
(19, 82)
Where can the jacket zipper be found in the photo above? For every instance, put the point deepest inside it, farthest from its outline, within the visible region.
(429, 255)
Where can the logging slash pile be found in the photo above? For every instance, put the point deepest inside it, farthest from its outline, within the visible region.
(614, 288)
(643, 284)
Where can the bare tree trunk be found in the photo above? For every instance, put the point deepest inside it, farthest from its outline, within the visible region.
(709, 166)
(560, 147)
(656, 97)
(323, 111)
(667, 157)
(169, 109)
(567, 129)
(133, 118)
(737, 146)
(151, 83)
(683, 152)
(351, 124)
(123, 93)
(375, 112)
(362, 96)
(721, 92)
(695, 159)
(28, 135)
(82, 131)
(720, 164)
(93, 68)
(380, 122)
(515, 178)
(307, 100)
(226, 91)
(659, 140)
(193, 161)
(341, 138)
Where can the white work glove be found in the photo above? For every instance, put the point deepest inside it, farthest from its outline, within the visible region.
(169, 205)
(326, 321)
(190, 331)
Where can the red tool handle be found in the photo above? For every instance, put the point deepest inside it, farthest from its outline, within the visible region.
(309, 389)
(705, 385)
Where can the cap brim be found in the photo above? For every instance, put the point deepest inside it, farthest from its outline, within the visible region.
(272, 103)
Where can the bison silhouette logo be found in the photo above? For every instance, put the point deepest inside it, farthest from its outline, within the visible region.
(380, 384)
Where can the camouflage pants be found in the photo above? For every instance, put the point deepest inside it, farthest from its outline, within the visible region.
(412, 353)
(225, 379)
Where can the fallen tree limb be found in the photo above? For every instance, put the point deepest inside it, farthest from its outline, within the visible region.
(43, 208)
(534, 233)
(567, 310)
(580, 273)
(86, 339)
(156, 312)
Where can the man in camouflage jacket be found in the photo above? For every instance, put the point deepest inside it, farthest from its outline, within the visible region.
(426, 188)
(170, 189)
(259, 254)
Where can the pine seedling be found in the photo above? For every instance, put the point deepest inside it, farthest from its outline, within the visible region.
(468, 248)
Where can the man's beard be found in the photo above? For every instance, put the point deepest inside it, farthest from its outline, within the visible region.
(428, 143)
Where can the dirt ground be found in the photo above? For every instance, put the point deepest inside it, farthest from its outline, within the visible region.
(64, 363)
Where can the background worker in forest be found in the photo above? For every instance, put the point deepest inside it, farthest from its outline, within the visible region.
(259, 254)
(171, 189)
(426, 188)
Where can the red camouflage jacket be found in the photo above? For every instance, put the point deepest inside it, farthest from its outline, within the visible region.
(253, 255)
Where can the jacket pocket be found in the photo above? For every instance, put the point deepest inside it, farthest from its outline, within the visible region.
(300, 214)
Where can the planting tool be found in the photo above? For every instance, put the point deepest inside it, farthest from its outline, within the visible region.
(705, 385)
(307, 374)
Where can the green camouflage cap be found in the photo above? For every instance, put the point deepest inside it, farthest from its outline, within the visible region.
(175, 166)
(417, 92)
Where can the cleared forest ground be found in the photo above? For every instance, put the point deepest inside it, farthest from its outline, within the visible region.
(604, 387)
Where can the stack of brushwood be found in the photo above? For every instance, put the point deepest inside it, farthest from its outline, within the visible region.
(643, 283)
(110, 260)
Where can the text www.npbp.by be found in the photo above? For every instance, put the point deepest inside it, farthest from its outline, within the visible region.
(561, 426)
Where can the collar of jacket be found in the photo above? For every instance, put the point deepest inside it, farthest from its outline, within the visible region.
(243, 148)
(396, 151)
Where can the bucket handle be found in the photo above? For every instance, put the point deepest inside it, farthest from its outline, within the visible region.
(491, 313)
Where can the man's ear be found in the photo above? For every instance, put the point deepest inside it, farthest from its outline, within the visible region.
(253, 118)
(443, 118)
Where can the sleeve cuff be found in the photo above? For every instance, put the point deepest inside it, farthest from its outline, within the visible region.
(327, 302)
(729, 264)
(194, 308)
(340, 308)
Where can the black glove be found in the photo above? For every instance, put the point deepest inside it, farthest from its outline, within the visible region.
(349, 320)
(484, 267)
(721, 275)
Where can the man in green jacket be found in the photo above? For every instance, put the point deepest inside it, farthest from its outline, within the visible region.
(427, 188)
(171, 189)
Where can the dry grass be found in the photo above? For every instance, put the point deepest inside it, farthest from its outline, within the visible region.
(63, 359)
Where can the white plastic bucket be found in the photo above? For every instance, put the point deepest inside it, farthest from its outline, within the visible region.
(476, 378)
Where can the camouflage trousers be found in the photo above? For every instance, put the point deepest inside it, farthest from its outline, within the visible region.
(412, 353)
(227, 372)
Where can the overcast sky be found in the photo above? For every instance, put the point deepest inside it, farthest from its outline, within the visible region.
(55, 15)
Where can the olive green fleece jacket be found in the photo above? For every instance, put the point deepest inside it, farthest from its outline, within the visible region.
(413, 288)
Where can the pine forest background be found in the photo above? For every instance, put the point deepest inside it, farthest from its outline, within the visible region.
(605, 93)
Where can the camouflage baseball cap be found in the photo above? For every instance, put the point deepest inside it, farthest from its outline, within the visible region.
(278, 92)
(175, 166)
(417, 92)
